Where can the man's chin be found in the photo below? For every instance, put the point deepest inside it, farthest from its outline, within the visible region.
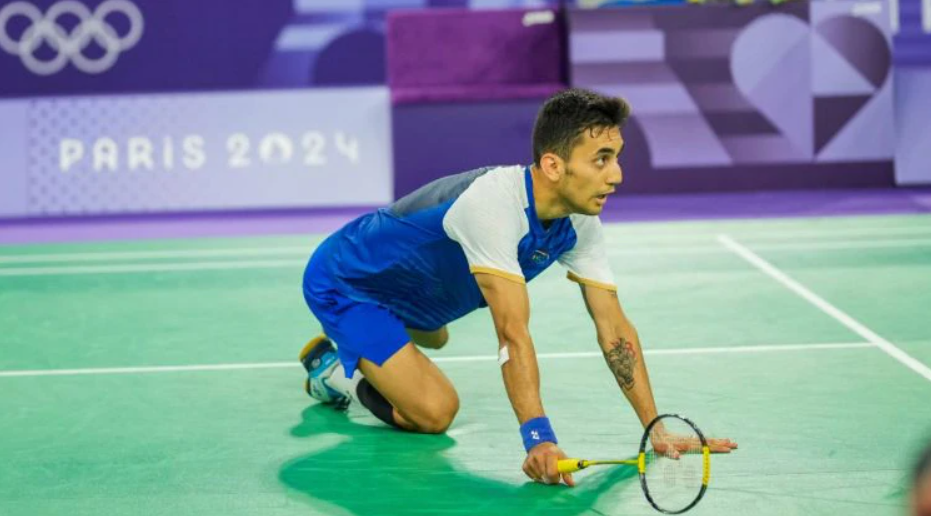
(597, 210)
(590, 210)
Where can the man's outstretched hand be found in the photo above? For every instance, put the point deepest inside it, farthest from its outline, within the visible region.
(671, 445)
(540, 464)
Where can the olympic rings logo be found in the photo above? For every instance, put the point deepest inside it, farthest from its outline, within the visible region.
(70, 45)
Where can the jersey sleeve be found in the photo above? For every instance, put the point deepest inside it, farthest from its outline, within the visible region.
(587, 261)
(488, 224)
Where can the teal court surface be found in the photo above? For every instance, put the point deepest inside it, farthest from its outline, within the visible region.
(160, 377)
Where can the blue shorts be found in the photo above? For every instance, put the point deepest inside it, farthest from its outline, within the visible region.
(359, 329)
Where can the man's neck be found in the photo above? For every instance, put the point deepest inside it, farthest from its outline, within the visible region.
(546, 202)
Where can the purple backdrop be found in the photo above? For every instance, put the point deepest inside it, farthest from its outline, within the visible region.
(725, 98)
(181, 45)
(758, 97)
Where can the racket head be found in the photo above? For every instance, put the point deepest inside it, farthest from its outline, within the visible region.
(674, 464)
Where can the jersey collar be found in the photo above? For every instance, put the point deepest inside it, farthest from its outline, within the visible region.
(535, 225)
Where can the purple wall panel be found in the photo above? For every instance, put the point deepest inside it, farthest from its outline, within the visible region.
(438, 139)
(912, 58)
(913, 39)
(853, 124)
(440, 55)
(14, 150)
(913, 125)
(168, 153)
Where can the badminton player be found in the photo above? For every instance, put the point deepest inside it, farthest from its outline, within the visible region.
(388, 282)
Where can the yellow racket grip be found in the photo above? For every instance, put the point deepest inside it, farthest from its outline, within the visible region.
(571, 465)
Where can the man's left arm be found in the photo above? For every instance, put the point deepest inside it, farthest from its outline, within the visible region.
(622, 351)
(621, 347)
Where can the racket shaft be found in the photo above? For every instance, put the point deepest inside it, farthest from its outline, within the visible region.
(573, 465)
(609, 462)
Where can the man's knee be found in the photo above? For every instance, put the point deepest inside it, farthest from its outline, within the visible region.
(437, 416)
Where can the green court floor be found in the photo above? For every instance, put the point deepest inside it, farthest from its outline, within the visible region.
(160, 377)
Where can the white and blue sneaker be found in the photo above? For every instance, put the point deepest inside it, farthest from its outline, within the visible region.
(322, 364)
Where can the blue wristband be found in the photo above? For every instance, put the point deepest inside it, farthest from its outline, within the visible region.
(536, 431)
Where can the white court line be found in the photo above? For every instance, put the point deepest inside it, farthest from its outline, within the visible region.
(847, 244)
(305, 253)
(825, 307)
(680, 351)
(150, 267)
(230, 252)
(812, 246)
(477, 358)
(782, 233)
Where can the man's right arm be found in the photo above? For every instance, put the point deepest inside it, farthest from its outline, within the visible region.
(510, 309)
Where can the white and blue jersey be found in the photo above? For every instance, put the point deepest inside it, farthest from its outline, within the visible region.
(412, 264)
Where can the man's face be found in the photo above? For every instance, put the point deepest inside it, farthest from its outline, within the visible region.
(592, 171)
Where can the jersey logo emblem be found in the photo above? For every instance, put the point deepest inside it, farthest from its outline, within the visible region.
(540, 257)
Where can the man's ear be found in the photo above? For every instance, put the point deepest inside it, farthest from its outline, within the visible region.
(552, 166)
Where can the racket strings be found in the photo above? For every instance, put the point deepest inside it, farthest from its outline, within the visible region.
(675, 464)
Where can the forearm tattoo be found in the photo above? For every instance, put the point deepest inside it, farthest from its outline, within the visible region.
(622, 359)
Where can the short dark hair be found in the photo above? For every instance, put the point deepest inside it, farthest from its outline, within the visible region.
(566, 115)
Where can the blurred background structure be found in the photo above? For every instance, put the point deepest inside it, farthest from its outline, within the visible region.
(129, 107)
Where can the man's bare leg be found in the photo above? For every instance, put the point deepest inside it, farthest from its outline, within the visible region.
(422, 398)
